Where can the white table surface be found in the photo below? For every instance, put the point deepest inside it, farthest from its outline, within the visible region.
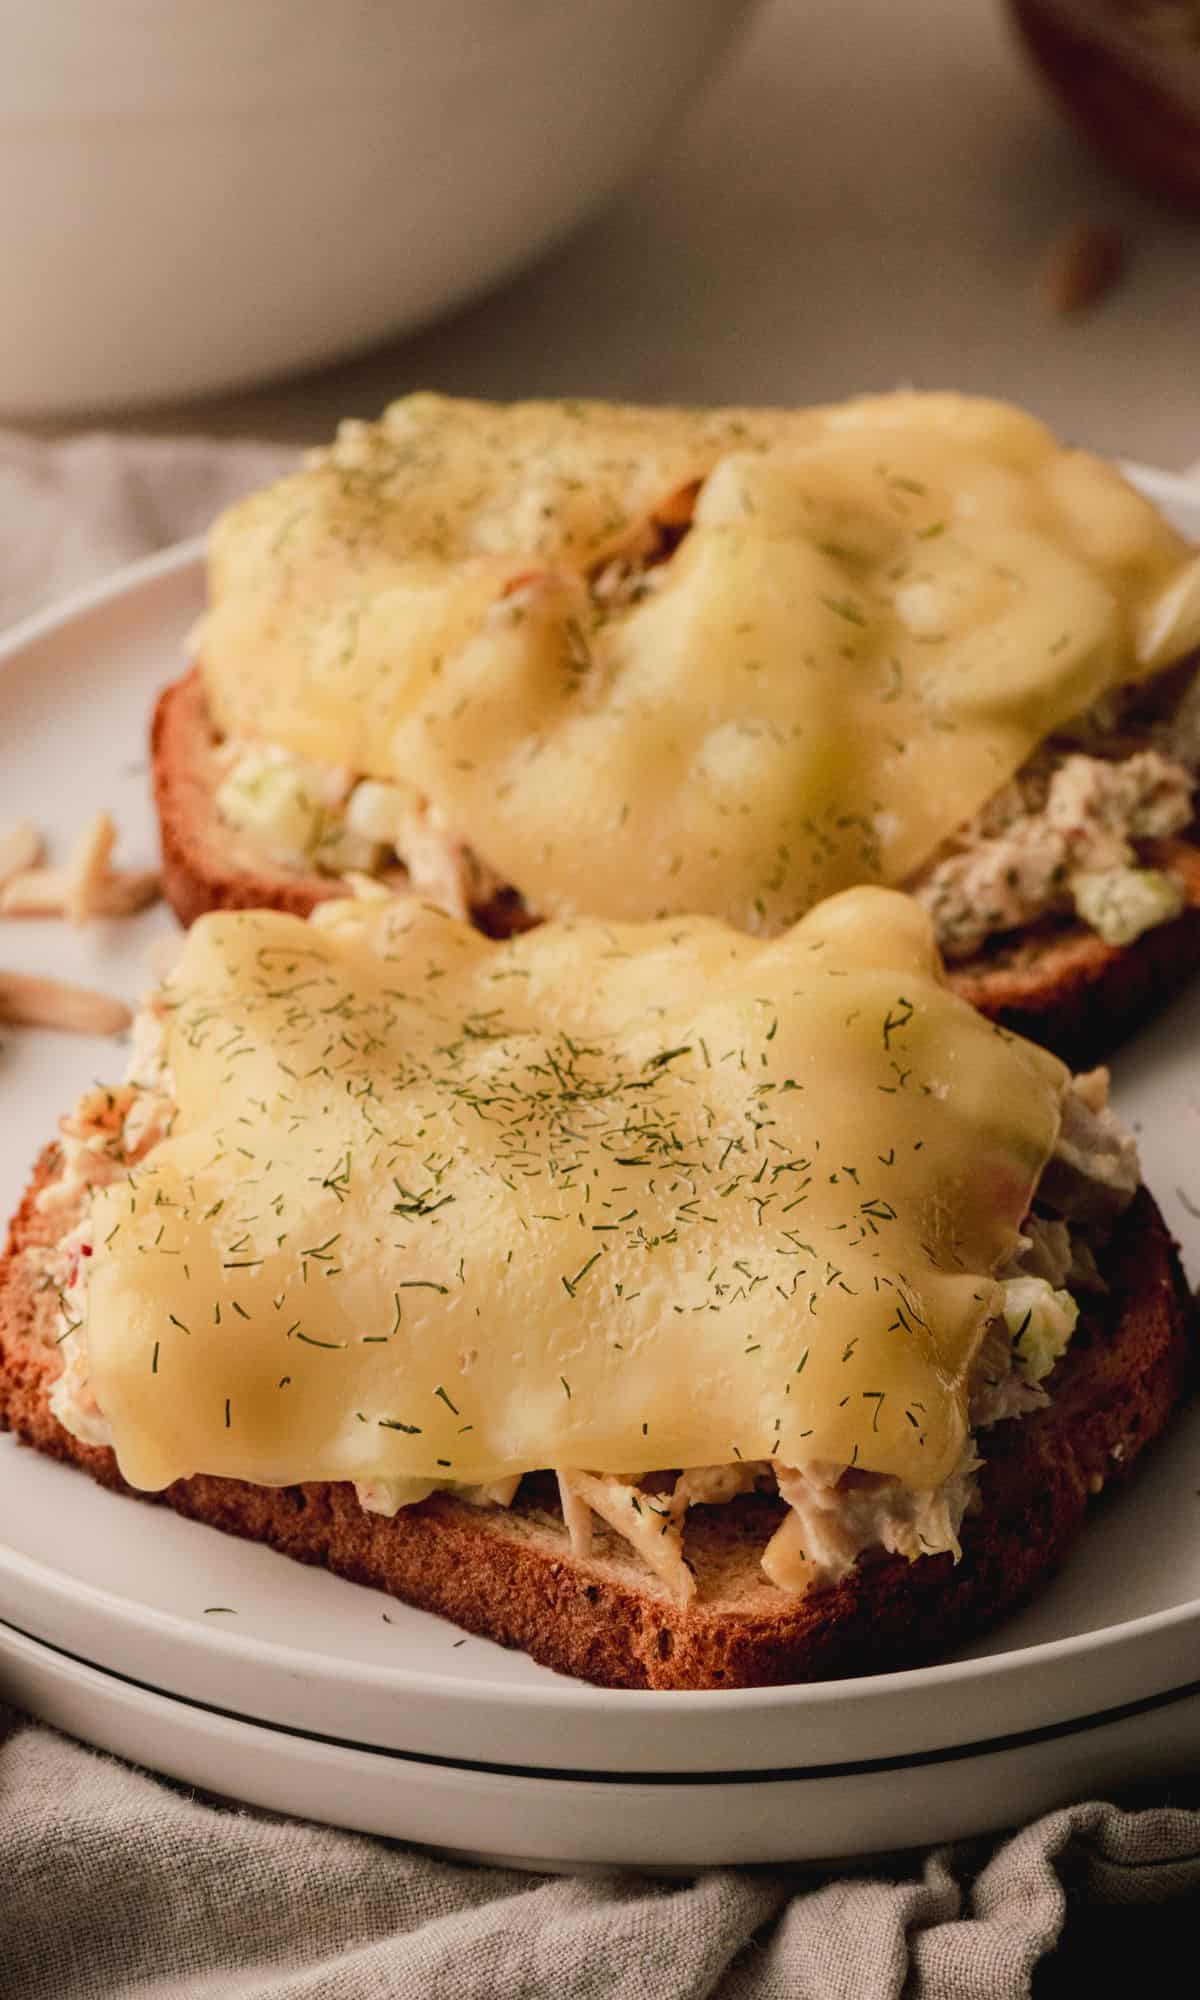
(865, 198)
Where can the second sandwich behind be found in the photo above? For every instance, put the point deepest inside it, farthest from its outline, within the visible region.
(560, 659)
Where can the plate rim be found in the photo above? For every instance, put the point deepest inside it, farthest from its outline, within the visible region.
(14, 1637)
(470, 1815)
(29, 631)
(123, 587)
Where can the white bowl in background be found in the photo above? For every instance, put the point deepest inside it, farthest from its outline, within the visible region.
(194, 196)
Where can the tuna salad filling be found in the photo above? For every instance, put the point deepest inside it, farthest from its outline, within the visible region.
(1072, 835)
(314, 816)
(835, 1515)
(1064, 837)
(320, 817)
(1067, 837)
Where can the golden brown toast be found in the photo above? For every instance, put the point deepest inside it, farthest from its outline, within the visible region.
(509, 1575)
(1059, 984)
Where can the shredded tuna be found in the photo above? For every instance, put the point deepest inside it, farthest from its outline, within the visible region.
(388, 1496)
(1015, 863)
(998, 1390)
(642, 1519)
(1043, 1251)
(842, 1513)
(441, 868)
(713, 1485)
(577, 1515)
(1094, 1172)
(1050, 1248)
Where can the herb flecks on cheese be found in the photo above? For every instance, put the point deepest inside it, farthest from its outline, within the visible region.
(620, 1197)
(878, 612)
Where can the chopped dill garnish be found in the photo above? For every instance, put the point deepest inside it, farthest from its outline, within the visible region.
(570, 1284)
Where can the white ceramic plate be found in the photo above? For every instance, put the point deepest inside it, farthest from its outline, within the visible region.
(230, 1667)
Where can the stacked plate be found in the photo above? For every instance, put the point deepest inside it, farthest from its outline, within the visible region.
(224, 1665)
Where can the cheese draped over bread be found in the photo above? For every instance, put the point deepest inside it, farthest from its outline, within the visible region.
(877, 613)
(609, 1196)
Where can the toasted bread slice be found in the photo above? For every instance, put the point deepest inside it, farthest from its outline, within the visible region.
(509, 1575)
(1058, 983)
(206, 863)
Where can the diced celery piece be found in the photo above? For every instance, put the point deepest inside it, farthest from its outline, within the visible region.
(271, 801)
(1121, 903)
(340, 851)
(1041, 1322)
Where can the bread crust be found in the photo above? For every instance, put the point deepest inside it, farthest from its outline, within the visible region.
(204, 864)
(510, 1576)
(1058, 983)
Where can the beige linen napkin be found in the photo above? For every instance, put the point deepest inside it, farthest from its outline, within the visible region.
(73, 512)
(115, 1885)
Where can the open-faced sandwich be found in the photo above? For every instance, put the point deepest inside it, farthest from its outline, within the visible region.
(555, 660)
(687, 1308)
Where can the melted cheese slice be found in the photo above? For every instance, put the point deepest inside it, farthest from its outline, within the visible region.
(877, 614)
(619, 1197)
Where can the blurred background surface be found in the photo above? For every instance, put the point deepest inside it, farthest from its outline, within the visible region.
(872, 193)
